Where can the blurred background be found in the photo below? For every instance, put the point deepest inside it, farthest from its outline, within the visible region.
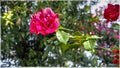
(84, 17)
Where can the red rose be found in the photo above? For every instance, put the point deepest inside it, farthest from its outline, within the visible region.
(116, 51)
(116, 57)
(115, 61)
(111, 13)
(44, 22)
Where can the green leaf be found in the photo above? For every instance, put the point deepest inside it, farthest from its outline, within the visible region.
(95, 19)
(62, 36)
(94, 61)
(64, 48)
(89, 44)
(32, 53)
(51, 39)
(77, 33)
(115, 26)
(62, 28)
(92, 37)
(46, 52)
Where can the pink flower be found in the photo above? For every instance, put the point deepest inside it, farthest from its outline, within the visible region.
(99, 51)
(117, 36)
(107, 32)
(44, 22)
(108, 53)
(99, 28)
(92, 33)
(83, 28)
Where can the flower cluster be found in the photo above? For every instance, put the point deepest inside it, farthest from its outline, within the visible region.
(116, 57)
(8, 17)
(44, 22)
(112, 12)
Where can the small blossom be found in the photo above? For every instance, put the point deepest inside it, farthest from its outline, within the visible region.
(99, 51)
(108, 53)
(8, 18)
(83, 28)
(92, 33)
(9, 23)
(7, 15)
(117, 36)
(99, 28)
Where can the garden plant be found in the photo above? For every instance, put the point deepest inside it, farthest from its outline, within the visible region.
(59, 34)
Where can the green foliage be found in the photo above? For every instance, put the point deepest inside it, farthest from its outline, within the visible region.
(68, 43)
(89, 45)
(62, 36)
(115, 26)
